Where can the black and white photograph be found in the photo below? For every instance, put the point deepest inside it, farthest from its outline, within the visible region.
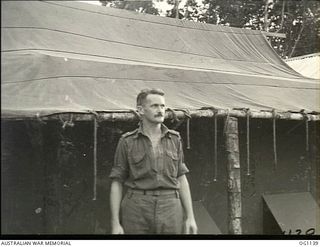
(160, 119)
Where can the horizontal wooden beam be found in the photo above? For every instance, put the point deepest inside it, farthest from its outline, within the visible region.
(274, 34)
(200, 113)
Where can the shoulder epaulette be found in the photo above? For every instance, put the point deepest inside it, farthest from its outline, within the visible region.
(129, 133)
(174, 132)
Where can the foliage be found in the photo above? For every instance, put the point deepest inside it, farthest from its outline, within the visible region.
(298, 19)
(142, 6)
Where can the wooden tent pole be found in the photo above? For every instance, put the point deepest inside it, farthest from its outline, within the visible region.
(234, 182)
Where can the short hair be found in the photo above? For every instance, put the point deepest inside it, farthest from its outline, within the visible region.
(145, 92)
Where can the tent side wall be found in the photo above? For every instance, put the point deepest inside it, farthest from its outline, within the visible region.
(47, 186)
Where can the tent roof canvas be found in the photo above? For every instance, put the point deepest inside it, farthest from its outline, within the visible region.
(74, 57)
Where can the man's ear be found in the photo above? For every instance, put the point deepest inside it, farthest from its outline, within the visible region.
(140, 110)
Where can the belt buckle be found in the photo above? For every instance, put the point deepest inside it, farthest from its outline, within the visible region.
(156, 193)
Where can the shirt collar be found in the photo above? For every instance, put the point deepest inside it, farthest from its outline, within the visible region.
(164, 130)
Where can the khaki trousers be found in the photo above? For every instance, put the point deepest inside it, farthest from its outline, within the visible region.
(151, 214)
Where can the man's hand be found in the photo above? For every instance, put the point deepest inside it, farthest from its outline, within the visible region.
(190, 226)
(116, 229)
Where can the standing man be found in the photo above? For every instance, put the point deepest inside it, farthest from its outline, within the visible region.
(149, 161)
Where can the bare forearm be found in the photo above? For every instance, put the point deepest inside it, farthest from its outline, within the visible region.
(115, 201)
(190, 225)
(185, 196)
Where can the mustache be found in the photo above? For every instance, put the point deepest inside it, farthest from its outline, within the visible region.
(158, 115)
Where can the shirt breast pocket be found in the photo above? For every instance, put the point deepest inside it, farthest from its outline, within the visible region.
(171, 163)
(138, 165)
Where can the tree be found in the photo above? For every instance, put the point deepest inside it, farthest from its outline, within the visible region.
(298, 19)
(174, 12)
(142, 6)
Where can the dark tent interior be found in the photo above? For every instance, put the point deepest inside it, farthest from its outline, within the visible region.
(47, 172)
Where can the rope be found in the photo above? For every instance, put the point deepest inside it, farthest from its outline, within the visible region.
(188, 133)
(112, 117)
(248, 142)
(215, 145)
(188, 116)
(134, 112)
(39, 119)
(294, 127)
(96, 119)
(66, 123)
(175, 119)
(95, 130)
(274, 114)
(306, 119)
(307, 134)
(174, 115)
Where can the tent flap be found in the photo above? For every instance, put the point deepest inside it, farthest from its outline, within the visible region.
(294, 213)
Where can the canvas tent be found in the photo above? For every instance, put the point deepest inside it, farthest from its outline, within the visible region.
(307, 65)
(84, 62)
(68, 56)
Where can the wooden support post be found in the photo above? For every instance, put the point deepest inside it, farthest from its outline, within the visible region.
(234, 184)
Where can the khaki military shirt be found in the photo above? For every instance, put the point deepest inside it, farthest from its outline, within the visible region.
(140, 166)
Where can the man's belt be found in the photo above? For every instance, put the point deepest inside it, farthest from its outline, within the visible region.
(154, 192)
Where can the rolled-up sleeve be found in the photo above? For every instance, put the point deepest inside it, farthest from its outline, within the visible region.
(182, 168)
(119, 170)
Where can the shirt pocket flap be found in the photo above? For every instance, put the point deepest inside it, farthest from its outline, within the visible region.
(138, 157)
(172, 154)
